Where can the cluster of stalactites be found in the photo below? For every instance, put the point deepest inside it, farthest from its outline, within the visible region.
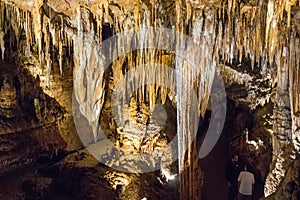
(258, 30)
(222, 30)
(251, 28)
(41, 32)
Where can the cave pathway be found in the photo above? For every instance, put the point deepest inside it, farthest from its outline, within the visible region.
(214, 165)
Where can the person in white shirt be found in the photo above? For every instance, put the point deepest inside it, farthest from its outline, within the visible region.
(246, 184)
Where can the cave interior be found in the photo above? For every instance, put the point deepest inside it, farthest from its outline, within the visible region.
(148, 99)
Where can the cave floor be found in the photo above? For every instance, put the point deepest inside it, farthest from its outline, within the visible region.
(79, 176)
(214, 165)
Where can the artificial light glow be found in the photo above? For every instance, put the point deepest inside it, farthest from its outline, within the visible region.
(167, 174)
(251, 142)
(254, 143)
(171, 177)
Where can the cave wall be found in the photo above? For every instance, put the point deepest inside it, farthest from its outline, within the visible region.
(28, 128)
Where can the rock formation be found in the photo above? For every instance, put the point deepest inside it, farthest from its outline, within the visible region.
(139, 75)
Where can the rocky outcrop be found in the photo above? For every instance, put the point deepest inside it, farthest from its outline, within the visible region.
(29, 118)
(119, 185)
(289, 186)
(8, 98)
(80, 176)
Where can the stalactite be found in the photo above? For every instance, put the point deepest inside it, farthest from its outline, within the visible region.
(204, 60)
(37, 26)
(2, 7)
(270, 15)
(27, 28)
(2, 44)
(60, 53)
(47, 50)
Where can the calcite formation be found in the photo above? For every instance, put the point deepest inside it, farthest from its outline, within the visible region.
(62, 40)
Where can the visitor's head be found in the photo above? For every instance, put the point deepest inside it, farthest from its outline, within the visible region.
(247, 167)
(235, 158)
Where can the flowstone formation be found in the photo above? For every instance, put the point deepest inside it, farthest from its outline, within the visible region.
(60, 41)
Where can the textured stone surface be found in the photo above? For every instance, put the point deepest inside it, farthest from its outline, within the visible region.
(80, 176)
(289, 186)
(28, 128)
